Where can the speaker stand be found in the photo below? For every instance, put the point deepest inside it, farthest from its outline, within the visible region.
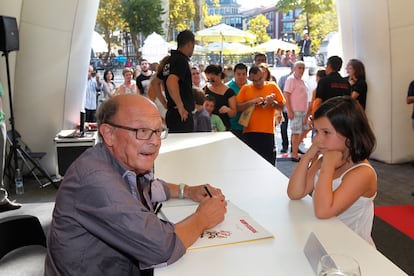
(15, 149)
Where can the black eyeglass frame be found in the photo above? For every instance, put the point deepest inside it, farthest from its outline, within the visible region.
(161, 133)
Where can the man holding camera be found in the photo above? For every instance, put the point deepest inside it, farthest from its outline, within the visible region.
(93, 85)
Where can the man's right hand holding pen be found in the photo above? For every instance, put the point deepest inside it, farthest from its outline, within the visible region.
(209, 213)
(213, 207)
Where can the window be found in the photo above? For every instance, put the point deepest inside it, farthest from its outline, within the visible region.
(288, 15)
(287, 27)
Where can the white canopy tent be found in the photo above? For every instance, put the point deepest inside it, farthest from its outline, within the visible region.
(273, 45)
(155, 48)
(98, 43)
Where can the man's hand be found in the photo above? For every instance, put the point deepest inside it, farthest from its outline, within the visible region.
(183, 113)
(198, 193)
(270, 98)
(211, 211)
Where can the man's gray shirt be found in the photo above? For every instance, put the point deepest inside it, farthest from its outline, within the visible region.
(99, 225)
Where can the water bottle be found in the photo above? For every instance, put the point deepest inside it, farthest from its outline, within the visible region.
(19, 182)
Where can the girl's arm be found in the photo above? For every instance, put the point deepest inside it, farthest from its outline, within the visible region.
(358, 182)
(301, 181)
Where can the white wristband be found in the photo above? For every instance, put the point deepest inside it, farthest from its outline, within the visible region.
(181, 191)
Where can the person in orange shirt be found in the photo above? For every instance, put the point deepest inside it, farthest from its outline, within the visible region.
(266, 97)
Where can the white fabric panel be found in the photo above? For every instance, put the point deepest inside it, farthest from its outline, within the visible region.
(51, 69)
(378, 33)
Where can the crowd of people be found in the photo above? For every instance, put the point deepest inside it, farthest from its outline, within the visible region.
(174, 89)
(117, 176)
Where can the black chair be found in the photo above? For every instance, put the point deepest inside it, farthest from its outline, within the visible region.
(28, 158)
(20, 231)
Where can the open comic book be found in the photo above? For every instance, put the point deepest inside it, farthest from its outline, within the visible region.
(237, 226)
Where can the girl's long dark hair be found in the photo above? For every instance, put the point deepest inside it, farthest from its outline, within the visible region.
(349, 119)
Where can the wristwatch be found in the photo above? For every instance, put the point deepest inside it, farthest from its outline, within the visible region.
(181, 191)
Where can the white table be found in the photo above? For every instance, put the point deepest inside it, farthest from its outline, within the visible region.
(260, 189)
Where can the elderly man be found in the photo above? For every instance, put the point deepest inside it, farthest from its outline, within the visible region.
(104, 221)
(265, 97)
(296, 94)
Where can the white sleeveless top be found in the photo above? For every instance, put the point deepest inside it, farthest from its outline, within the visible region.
(360, 215)
(129, 90)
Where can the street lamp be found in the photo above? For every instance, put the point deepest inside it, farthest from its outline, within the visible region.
(126, 38)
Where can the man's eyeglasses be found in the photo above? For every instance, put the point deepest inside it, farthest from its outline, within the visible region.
(144, 133)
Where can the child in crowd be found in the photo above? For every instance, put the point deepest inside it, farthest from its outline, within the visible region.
(336, 170)
(216, 123)
(202, 122)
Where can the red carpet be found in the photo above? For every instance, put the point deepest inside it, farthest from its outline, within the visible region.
(400, 217)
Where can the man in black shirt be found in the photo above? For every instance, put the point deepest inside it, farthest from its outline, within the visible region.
(332, 85)
(176, 75)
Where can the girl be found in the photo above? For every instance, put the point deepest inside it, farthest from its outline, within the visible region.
(335, 169)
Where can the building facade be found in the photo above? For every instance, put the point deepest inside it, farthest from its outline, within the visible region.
(229, 10)
(280, 24)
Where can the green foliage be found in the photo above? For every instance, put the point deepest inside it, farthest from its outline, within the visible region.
(143, 16)
(181, 15)
(327, 22)
(108, 19)
(318, 15)
(210, 20)
(258, 26)
(308, 6)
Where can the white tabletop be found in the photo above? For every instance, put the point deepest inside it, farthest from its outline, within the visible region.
(260, 189)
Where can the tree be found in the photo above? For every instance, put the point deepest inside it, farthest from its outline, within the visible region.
(311, 10)
(199, 14)
(328, 22)
(108, 19)
(258, 26)
(181, 15)
(210, 20)
(143, 16)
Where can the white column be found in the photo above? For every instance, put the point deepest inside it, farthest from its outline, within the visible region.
(379, 32)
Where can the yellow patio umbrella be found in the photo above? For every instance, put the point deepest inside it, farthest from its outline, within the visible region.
(227, 48)
(224, 33)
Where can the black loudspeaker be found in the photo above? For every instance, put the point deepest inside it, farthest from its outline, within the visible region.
(9, 34)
